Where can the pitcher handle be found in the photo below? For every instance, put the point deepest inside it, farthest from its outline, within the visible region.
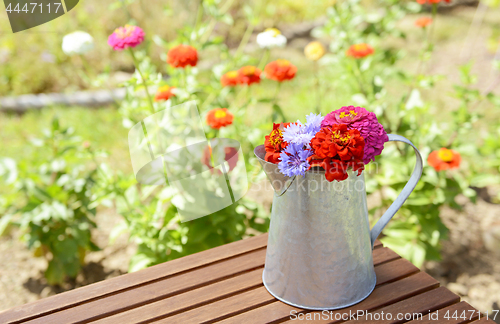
(405, 193)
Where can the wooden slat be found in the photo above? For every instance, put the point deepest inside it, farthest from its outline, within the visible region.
(159, 289)
(438, 316)
(383, 255)
(164, 307)
(381, 296)
(122, 283)
(411, 308)
(483, 320)
(386, 272)
(193, 298)
(117, 284)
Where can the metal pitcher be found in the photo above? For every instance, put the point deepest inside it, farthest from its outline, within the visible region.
(319, 251)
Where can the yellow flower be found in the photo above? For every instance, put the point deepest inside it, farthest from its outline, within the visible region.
(314, 51)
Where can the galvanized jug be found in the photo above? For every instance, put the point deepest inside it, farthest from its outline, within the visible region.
(319, 252)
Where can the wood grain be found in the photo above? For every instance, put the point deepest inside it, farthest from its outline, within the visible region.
(386, 293)
(412, 308)
(167, 307)
(115, 285)
(168, 287)
(189, 300)
(484, 320)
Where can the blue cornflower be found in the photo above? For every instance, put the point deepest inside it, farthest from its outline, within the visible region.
(297, 133)
(293, 160)
(303, 134)
(313, 124)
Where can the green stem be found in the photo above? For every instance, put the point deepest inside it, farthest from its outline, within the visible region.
(317, 87)
(359, 78)
(213, 21)
(183, 78)
(242, 92)
(199, 15)
(434, 14)
(264, 59)
(88, 71)
(278, 87)
(136, 63)
(275, 111)
(244, 40)
(208, 101)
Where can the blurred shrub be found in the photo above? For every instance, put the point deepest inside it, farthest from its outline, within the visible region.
(50, 201)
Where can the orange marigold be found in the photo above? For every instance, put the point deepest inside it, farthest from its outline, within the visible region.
(249, 74)
(182, 56)
(360, 50)
(164, 93)
(423, 22)
(444, 159)
(219, 117)
(230, 79)
(280, 70)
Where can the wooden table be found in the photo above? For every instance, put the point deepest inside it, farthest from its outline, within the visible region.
(224, 284)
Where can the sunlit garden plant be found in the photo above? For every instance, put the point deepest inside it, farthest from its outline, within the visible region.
(50, 201)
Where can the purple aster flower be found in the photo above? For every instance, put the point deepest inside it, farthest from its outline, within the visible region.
(366, 123)
(293, 160)
(313, 124)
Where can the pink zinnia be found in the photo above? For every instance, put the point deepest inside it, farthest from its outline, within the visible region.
(125, 37)
(366, 123)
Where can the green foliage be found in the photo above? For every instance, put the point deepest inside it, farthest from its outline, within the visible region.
(50, 201)
(55, 193)
(152, 220)
(417, 230)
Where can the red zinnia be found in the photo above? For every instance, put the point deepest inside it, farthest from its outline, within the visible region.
(182, 56)
(230, 79)
(219, 117)
(337, 169)
(339, 141)
(280, 70)
(360, 50)
(249, 74)
(423, 22)
(336, 149)
(274, 143)
(164, 93)
(444, 159)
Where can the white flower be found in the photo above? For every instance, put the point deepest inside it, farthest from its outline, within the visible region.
(271, 37)
(77, 43)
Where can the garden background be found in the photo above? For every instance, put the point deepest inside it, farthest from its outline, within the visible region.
(72, 212)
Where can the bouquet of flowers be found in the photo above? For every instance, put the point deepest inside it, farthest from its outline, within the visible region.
(347, 138)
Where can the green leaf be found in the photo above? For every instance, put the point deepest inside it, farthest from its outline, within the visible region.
(4, 223)
(418, 255)
(55, 272)
(117, 231)
(139, 261)
(278, 113)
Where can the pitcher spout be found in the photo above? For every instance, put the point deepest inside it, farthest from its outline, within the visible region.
(279, 181)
